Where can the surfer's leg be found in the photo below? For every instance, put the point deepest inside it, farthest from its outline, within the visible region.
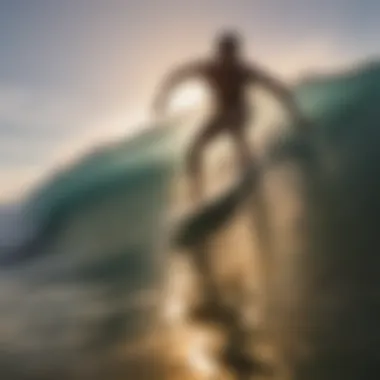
(195, 156)
(244, 151)
(241, 141)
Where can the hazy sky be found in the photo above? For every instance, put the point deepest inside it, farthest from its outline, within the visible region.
(75, 69)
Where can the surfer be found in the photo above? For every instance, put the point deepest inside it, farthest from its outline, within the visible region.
(228, 76)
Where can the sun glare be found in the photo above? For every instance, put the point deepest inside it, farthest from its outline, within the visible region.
(188, 96)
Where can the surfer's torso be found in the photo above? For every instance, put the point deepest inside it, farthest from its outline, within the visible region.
(228, 83)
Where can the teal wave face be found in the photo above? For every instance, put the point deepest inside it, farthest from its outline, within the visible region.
(125, 165)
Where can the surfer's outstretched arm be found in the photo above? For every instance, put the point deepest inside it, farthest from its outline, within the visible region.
(174, 79)
(279, 90)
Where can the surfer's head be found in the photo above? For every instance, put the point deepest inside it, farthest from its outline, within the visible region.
(229, 45)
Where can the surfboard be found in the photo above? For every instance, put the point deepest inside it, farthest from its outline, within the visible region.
(209, 216)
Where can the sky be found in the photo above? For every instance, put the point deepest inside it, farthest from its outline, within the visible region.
(74, 72)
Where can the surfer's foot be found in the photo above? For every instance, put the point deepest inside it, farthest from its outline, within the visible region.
(196, 196)
(213, 311)
(245, 364)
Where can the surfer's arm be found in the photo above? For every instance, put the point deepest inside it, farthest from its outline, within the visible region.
(278, 89)
(173, 80)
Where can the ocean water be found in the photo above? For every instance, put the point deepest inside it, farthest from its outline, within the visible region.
(83, 261)
(84, 258)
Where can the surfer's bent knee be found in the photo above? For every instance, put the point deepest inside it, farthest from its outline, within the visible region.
(193, 158)
(196, 149)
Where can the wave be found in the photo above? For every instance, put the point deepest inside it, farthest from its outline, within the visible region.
(92, 239)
